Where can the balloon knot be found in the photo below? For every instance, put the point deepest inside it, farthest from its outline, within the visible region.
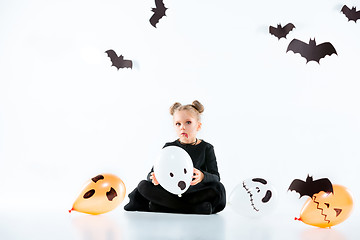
(298, 219)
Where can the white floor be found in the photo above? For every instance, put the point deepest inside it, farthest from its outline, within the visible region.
(119, 224)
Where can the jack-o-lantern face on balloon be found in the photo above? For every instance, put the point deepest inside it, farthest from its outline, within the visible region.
(327, 209)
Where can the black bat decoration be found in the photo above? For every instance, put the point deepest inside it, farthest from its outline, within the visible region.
(118, 62)
(310, 187)
(281, 32)
(311, 51)
(159, 12)
(351, 14)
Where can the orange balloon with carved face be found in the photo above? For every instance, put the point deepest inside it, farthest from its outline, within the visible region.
(100, 194)
(326, 210)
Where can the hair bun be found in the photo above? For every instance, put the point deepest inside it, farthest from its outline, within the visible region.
(174, 107)
(198, 106)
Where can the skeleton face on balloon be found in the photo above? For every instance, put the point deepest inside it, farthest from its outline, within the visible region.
(258, 193)
(253, 197)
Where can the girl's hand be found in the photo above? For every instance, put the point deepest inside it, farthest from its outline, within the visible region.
(198, 177)
(153, 179)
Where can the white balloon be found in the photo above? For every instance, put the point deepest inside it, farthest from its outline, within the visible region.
(253, 197)
(174, 169)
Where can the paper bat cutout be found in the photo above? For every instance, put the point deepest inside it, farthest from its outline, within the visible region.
(310, 187)
(118, 62)
(351, 14)
(311, 51)
(159, 12)
(281, 32)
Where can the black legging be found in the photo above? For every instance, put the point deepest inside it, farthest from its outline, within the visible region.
(190, 201)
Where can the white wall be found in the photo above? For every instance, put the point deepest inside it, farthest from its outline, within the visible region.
(67, 115)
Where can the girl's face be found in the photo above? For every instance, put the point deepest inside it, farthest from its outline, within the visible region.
(186, 126)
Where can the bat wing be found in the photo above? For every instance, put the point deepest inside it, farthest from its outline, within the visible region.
(114, 58)
(298, 46)
(346, 11)
(112, 55)
(274, 31)
(299, 186)
(357, 16)
(322, 184)
(160, 5)
(127, 64)
(322, 50)
(155, 19)
(159, 12)
(288, 27)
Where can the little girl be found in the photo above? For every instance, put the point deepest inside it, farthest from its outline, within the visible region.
(206, 195)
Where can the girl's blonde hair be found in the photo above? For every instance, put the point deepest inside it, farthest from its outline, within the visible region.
(196, 108)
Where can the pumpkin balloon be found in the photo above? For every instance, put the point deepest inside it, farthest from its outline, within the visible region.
(100, 194)
(327, 209)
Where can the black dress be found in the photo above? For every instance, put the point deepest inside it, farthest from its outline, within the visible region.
(206, 197)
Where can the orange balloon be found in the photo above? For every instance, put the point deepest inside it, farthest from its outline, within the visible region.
(100, 194)
(326, 210)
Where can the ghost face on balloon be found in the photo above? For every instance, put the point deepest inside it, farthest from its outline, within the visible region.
(253, 197)
(174, 169)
